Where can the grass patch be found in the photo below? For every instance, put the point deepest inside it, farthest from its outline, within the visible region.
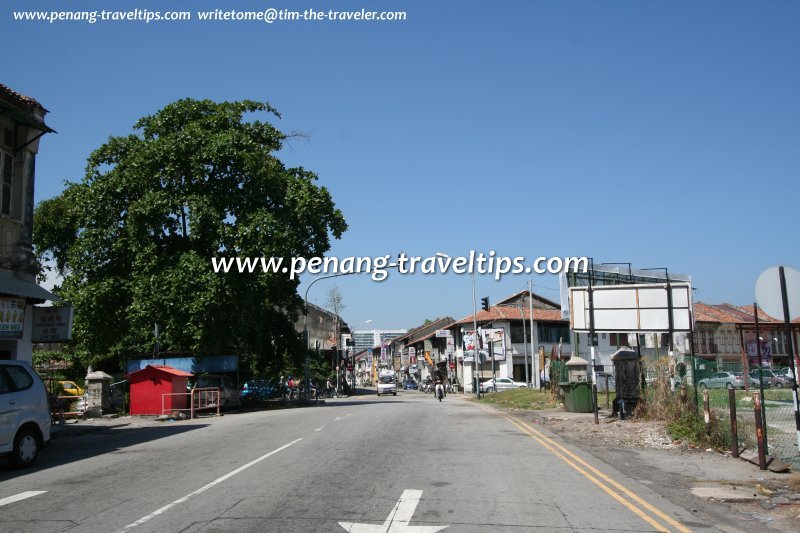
(529, 399)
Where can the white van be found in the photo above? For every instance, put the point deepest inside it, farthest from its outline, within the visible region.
(24, 413)
(387, 382)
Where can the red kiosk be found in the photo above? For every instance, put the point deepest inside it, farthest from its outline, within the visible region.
(149, 385)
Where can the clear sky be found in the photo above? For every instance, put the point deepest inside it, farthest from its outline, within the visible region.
(660, 133)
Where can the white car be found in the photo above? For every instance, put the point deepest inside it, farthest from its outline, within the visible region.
(494, 384)
(24, 413)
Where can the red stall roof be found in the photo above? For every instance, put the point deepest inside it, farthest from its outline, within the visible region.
(162, 368)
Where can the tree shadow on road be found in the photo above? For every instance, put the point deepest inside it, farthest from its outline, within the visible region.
(92, 440)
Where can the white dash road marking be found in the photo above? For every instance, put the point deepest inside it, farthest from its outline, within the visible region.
(320, 429)
(21, 496)
(204, 488)
(398, 519)
(337, 418)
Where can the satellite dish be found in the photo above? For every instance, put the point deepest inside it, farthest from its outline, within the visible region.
(768, 292)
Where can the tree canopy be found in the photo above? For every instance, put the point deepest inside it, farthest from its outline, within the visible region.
(134, 239)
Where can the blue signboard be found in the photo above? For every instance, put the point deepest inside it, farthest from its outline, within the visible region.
(194, 365)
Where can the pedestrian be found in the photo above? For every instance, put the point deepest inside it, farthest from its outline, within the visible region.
(542, 379)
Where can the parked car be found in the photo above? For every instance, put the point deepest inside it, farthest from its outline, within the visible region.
(728, 380)
(229, 393)
(71, 388)
(771, 378)
(494, 384)
(410, 384)
(24, 413)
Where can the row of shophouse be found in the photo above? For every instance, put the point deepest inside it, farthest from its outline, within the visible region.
(523, 344)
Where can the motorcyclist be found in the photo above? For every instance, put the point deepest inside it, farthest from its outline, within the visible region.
(439, 387)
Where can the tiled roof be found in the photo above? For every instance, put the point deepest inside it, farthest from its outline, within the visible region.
(11, 96)
(497, 313)
(538, 299)
(729, 314)
(429, 330)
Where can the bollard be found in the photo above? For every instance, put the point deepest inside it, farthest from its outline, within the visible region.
(762, 455)
(734, 429)
(706, 412)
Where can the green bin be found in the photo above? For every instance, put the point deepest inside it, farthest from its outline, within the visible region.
(577, 396)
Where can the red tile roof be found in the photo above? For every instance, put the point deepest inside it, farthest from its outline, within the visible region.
(729, 314)
(13, 97)
(497, 313)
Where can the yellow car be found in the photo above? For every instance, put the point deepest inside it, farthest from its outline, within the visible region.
(71, 388)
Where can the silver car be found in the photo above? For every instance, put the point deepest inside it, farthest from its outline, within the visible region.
(727, 380)
(494, 384)
(24, 413)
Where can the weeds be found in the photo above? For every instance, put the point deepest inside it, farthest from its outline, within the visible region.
(677, 408)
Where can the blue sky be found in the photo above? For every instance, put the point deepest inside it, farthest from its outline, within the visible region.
(664, 134)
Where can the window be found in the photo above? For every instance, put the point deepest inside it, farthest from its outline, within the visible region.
(618, 339)
(552, 333)
(517, 333)
(6, 172)
(20, 379)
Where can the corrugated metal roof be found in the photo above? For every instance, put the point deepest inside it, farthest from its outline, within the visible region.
(13, 286)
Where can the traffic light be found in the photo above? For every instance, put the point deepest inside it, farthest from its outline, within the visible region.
(485, 303)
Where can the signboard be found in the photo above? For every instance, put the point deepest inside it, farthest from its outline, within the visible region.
(632, 308)
(451, 345)
(498, 339)
(52, 324)
(412, 355)
(452, 366)
(12, 318)
(469, 345)
(442, 333)
(384, 354)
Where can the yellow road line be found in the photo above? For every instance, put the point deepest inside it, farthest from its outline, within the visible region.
(573, 461)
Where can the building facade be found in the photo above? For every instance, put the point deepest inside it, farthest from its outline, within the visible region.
(21, 127)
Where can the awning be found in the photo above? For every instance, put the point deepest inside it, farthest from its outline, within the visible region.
(12, 286)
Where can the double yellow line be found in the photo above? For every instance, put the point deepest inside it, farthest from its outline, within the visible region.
(637, 505)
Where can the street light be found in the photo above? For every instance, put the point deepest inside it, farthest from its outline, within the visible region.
(305, 325)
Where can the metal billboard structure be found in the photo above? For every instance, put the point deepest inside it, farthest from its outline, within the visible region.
(650, 308)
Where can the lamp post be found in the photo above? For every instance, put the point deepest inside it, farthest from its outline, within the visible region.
(305, 325)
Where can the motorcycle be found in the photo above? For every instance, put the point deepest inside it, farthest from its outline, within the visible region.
(439, 391)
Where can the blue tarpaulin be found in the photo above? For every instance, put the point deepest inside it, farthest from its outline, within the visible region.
(195, 365)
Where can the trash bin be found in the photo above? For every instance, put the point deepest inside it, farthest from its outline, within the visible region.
(578, 390)
(577, 396)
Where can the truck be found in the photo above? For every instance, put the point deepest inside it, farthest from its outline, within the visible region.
(387, 381)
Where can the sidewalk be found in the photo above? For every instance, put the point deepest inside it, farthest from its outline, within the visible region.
(722, 485)
(80, 426)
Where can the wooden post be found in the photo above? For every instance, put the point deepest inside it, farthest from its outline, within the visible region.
(762, 454)
(706, 412)
(734, 429)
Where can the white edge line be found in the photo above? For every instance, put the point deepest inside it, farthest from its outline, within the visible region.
(205, 487)
(21, 496)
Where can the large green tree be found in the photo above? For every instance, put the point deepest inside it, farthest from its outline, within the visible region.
(134, 239)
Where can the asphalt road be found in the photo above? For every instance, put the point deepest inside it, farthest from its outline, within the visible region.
(366, 464)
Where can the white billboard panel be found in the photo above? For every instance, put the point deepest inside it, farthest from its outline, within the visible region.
(631, 308)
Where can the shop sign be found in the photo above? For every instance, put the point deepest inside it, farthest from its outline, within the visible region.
(12, 318)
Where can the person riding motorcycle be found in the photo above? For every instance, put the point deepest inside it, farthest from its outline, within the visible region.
(439, 388)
